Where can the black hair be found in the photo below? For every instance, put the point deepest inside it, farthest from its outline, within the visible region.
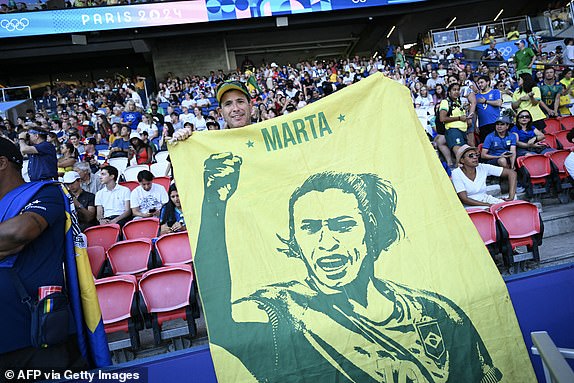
(168, 215)
(145, 175)
(112, 171)
(527, 82)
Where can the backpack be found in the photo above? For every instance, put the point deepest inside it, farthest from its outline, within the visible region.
(439, 125)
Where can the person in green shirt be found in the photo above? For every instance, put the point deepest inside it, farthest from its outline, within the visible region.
(524, 58)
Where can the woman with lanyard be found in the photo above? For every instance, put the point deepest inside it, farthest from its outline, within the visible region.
(527, 97)
(454, 118)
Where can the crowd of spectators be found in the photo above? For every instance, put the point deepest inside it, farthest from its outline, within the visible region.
(79, 127)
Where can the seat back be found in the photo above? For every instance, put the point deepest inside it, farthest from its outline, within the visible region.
(131, 172)
(120, 163)
(552, 125)
(159, 168)
(550, 140)
(174, 248)
(538, 165)
(519, 218)
(130, 184)
(567, 122)
(485, 223)
(130, 257)
(166, 288)
(161, 156)
(97, 257)
(561, 137)
(116, 295)
(163, 181)
(103, 235)
(141, 228)
(558, 157)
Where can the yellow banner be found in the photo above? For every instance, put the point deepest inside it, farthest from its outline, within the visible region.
(330, 246)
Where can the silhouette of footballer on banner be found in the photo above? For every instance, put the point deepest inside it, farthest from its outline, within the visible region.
(341, 323)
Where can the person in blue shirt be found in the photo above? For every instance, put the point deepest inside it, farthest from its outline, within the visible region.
(32, 243)
(499, 147)
(488, 102)
(121, 145)
(131, 116)
(43, 161)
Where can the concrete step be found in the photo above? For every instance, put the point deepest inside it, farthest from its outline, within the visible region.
(558, 219)
(557, 249)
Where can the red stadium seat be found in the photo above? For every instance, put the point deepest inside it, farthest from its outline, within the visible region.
(103, 235)
(550, 140)
(567, 122)
(119, 308)
(130, 184)
(485, 223)
(520, 225)
(168, 293)
(163, 181)
(535, 170)
(552, 125)
(174, 249)
(130, 257)
(561, 137)
(558, 157)
(141, 228)
(97, 257)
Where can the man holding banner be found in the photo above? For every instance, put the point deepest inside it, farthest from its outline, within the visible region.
(356, 289)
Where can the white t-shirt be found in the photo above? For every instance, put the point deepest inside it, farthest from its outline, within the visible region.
(156, 197)
(189, 117)
(475, 189)
(569, 164)
(188, 103)
(113, 201)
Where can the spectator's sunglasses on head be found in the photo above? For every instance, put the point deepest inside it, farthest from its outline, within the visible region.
(523, 116)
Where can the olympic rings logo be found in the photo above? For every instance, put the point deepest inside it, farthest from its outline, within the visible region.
(505, 51)
(15, 24)
(359, 1)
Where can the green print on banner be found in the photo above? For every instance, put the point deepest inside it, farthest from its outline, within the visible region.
(296, 132)
(340, 323)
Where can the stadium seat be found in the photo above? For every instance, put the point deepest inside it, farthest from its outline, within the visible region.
(104, 153)
(557, 158)
(550, 140)
(130, 257)
(174, 249)
(567, 122)
(103, 235)
(163, 105)
(552, 125)
(120, 163)
(163, 181)
(97, 257)
(520, 225)
(161, 156)
(159, 168)
(561, 138)
(168, 293)
(118, 302)
(131, 172)
(130, 184)
(536, 172)
(141, 228)
(485, 223)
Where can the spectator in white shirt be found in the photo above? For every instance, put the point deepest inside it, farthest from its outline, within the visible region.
(147, 199)
(113, 200)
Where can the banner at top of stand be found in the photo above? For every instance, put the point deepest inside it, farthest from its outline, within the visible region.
(77, 20)
(330, 246)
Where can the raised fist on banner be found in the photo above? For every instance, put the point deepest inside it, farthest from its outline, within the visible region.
(221, 175)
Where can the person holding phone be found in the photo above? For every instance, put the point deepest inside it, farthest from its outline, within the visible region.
(499, 147)
(147, 199)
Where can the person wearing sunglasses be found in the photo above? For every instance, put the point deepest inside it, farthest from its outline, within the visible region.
(469, 179)
(528, 136)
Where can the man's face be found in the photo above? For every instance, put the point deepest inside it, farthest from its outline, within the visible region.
(236, 109)
(105, 177)
(74, 187)
(501, 128)
(481, 84)
(549, 74)
(332, 238)
(146, 185)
